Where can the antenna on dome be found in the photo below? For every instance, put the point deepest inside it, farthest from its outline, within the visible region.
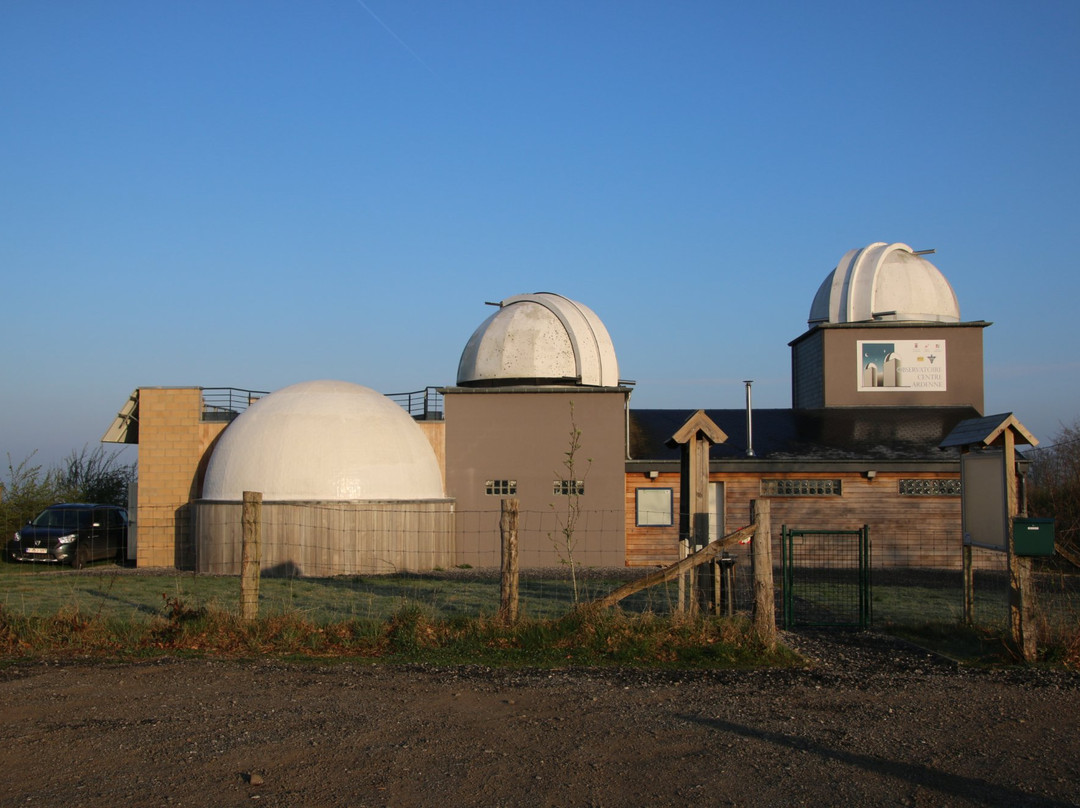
(923, 252)
(489, 303)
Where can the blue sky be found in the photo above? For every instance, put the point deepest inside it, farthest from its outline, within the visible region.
(257, 193)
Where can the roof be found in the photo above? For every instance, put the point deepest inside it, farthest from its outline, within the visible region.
(324, 441)
(987, 430)
(888, 282)
(540, 338)
(698, 424)
(848, 433)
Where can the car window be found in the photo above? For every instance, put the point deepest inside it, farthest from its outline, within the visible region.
(66, 518)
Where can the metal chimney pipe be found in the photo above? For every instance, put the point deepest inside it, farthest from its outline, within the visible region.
(749, 420)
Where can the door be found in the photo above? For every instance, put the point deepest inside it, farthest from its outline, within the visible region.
(716, 511)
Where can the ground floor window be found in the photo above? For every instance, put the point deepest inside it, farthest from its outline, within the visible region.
(501, 488)
(568, 488)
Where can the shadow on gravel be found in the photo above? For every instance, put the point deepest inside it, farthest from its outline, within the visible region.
(969, 788)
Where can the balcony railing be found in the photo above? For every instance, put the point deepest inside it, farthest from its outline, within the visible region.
(225, 403)
(423, 405)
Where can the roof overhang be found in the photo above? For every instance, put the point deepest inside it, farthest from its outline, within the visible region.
(125, 427)
(987, 431)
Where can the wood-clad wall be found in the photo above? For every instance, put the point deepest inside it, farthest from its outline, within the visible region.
(330, 538)
(907, 531)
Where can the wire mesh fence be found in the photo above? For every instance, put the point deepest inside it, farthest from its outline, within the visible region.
(330, 562)
(314, 570)
(826, 577)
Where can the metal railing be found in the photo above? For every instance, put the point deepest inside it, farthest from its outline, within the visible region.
(423, 405)
(225, 403)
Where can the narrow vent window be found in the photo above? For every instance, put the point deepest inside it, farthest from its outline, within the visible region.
(930, 488)
(800, 488)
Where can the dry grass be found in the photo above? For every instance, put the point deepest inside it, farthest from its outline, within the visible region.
(413, 634)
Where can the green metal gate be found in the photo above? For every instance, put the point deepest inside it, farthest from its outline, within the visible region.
(826, 577)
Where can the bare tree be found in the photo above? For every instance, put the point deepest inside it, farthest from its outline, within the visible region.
(572, 487)
(84, 476)
(94, 476)
(1054, 486)
(23, 494)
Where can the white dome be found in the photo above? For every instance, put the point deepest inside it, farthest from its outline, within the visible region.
(542, 338)
(884, 282)
(324, 441)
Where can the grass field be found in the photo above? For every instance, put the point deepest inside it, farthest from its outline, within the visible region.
(924, 605)
(109, 591)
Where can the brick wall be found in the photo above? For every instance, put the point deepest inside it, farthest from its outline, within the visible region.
(173, 451)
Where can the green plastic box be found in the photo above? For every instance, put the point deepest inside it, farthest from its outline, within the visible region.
(1033, 536)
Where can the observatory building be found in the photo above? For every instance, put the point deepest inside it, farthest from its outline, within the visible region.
(354, 481)
(349, 484)
(536, 377)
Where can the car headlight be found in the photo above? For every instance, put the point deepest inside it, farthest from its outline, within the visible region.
(68, 539)
(17, 537)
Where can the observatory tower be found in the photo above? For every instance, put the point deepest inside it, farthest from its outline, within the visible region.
(885, 330)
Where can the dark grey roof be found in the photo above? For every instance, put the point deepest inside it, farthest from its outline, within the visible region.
(986, 430)
(847, 433)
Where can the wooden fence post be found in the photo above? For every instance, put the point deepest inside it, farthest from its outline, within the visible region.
(251, 558)
(508, 588)
(969, 586)
(764, 595)
(1021, 581)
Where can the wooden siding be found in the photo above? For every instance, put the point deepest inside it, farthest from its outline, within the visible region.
(330, 538)
(905, 531)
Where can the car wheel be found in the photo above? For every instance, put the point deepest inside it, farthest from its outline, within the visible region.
(80, 558)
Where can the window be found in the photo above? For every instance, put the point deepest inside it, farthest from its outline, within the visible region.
(930, 488)
(501, 488)
(800, 488)
(654, 507)
(567, 488)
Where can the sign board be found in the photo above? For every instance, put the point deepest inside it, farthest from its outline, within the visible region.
(911, 365)
(983, 499)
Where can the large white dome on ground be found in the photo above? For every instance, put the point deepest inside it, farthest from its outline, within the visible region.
(540, 338)
(884, 282)
(324, 441)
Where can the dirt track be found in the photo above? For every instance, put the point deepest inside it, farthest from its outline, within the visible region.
(870, 723)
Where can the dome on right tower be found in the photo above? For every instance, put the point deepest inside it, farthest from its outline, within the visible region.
(884, 282)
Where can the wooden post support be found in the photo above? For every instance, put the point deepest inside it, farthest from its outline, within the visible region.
(969, 587)
(684, 551)
(676, 570)
(508, 588)
(695, 437)
(251, 559)
(1003, 431)
(764, 594)
(1021, 590)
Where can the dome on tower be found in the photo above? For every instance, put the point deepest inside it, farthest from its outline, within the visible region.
(541, 338)
(324, 441)
(884, 282)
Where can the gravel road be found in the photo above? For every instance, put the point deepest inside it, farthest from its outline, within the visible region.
(870, 722)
